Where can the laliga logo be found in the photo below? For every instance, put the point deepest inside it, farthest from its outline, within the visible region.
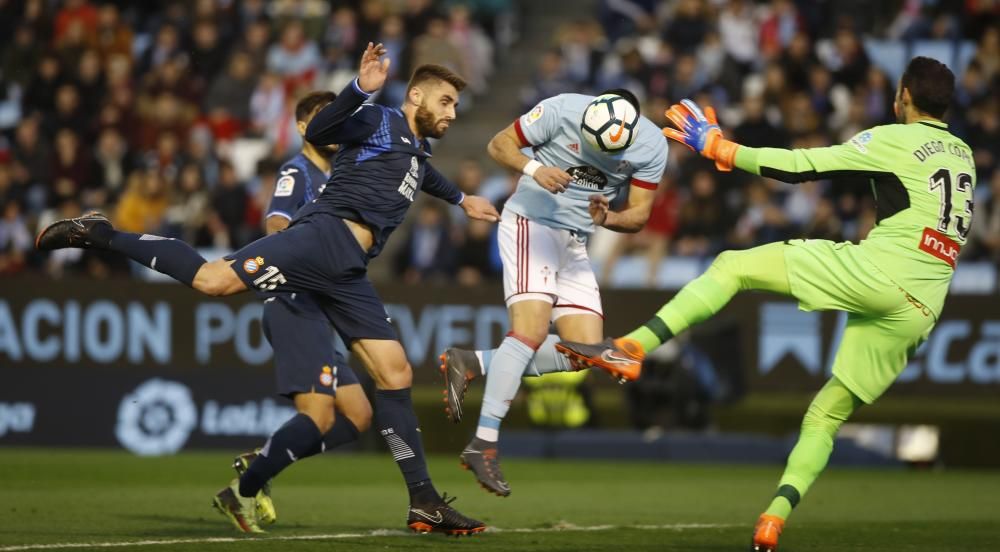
(156, 418)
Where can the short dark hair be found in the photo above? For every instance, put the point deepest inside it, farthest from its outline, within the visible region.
(629, 96)
(311, 102)
(931, 85)
(430, 71)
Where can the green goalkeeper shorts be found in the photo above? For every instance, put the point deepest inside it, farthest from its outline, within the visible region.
(885, 324)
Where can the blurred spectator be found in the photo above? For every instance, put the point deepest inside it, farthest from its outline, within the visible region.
(427, 252)
(112, 36)
(688, 27)
(703, 221)
(20, 57)
(295, 57)
(475, 258)
(207, 54)
(434, 46)
(230, 93)
(474, 46)
(231, 207)
(185, 218)
(779, 28)
(144, 203)
(15, 239)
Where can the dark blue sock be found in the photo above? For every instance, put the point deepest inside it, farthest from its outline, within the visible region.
(298, 438)
(397, 423)
(342, 432)
(171, 257)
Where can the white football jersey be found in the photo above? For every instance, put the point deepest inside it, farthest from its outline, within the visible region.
(552, 129)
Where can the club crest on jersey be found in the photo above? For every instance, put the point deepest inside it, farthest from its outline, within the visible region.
(327, 376)
(285, 186)
(534, 115)
(251, 266)
(588, 177)
(575, 147)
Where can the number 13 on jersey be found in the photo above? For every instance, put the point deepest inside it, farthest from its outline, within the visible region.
(943, 182)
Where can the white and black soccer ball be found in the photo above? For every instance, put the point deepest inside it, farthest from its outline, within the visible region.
(610, 123)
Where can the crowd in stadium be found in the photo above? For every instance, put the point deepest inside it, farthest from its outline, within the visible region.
(136, 108)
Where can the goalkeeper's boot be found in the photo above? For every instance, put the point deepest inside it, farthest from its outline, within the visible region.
(621, 357)
(264, 505)
(73, 232)
(440, 517)
(239, 509)
(459, 367)
(482, 459)
(765, 534)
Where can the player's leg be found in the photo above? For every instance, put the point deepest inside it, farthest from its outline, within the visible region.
(828, 411)
(531, 254)
(872, 353)
(761, 268)
(166, 255)
(397, 422)
(310, 371)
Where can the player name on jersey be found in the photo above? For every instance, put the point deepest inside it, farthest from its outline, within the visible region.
(929, 149)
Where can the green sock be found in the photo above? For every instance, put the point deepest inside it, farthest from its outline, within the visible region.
(828, 411)
(695, 302)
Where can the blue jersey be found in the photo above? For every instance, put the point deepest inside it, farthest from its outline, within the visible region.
(379, 169)
(552, 129)
(299, 182)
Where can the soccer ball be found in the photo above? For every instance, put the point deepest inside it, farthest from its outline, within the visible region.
(609, 123)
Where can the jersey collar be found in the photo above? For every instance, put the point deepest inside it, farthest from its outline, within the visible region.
(934, 124)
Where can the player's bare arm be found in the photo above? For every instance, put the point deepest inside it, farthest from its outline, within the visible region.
(505, 149)
(631, 218)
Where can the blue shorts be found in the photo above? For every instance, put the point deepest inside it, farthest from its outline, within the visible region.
(305, 358)
(318, 254)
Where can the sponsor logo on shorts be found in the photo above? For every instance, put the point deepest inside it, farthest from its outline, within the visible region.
(940, 246)
(924, 309)
(251, 266)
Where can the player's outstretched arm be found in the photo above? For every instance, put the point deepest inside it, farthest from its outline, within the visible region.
(699, 130)
(631, 218)
(340, 121)
(505, 149)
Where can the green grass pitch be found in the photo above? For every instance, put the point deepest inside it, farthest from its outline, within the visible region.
(357, 502)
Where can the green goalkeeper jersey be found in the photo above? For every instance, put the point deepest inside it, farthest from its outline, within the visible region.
(923, 179)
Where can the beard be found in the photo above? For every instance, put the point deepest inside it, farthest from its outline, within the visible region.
(427, 125)
(328, 151)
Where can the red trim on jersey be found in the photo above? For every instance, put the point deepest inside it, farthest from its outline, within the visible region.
(581, 307)
(940, 246)
(520, 133)
(643, 184)
(523, 254)
(524, 340)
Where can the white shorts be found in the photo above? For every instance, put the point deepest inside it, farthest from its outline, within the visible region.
(547, 264)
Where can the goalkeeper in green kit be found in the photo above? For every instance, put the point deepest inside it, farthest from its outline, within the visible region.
(892, 285)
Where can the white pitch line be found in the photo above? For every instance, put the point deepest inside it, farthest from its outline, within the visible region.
(558, 528)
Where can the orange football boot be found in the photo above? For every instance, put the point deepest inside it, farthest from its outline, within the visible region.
(621, 357)
(766, 532)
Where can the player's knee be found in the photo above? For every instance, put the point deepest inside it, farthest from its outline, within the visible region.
(819, 420)
(726, 268)
(395, 377)
(323, 418)
(216, 279)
